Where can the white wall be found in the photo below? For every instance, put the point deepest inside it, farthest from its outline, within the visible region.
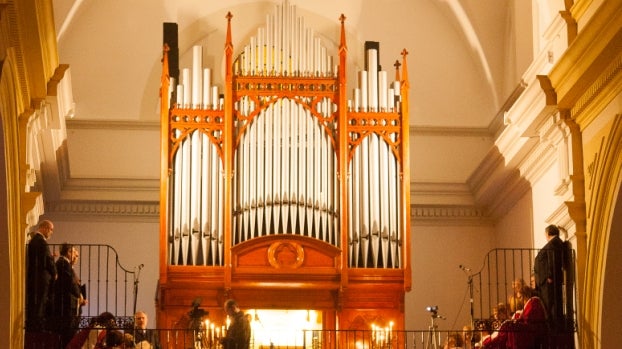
(515, 229)
(545, 202)
(437, 253)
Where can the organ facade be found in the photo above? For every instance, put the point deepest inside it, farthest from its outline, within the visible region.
(285, 188)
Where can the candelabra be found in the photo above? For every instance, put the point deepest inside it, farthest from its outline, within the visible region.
(382, 337)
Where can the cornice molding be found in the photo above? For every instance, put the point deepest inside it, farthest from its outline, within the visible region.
(113, 125)
(450, 131)
(112, 189)
(592, 51)
(148, 211)
(448, 215)
(597, 96)
(104, 210)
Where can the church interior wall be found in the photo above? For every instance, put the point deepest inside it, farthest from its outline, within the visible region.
(545, 202)
(514, 229)
(448, 159)
(438, 248)
(438, 251)
(100, 150)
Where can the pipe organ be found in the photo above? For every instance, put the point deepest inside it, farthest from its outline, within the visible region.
(283, 180)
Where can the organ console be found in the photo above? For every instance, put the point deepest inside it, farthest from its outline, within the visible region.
(282, 188)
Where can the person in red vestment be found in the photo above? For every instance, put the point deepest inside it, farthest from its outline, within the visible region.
(529, 329)
(526, 330)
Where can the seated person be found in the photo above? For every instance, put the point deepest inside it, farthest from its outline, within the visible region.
(499, 314)
(115, 339)
(94, 335)
(486, 333)
(498, 338)
(469, 337)
(516, 301)
(529, 327)
(143, 337)
(454, 340)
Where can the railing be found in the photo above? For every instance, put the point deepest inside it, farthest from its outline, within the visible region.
(109, 286)
(492, 285)
(356, 339)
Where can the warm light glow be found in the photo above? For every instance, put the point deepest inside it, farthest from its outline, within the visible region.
(382, 337)
(284, 327)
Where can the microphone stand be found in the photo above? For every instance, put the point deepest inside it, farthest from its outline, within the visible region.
(136, 277)
(470, 282)
(471, 300)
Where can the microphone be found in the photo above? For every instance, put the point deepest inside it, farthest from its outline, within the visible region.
(464, 268)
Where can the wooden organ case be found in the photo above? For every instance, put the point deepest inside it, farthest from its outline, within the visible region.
(280, 192)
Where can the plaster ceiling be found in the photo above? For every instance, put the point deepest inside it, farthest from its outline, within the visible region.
(456, 49)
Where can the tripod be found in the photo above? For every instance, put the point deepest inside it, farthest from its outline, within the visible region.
(434, 337)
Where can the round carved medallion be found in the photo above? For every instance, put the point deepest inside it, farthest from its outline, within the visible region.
(285, 254)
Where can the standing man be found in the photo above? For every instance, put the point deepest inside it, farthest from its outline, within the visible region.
(549, 268)
(143, 337)
(67, 296)
(239, 331)
(75, 254)
(40, 274)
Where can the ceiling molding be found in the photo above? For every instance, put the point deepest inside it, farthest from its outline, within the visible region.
(450, 131)
(103, 211)
(425, 194)
(111, 189)
(449, 215)
(112, 125)
(591, 51)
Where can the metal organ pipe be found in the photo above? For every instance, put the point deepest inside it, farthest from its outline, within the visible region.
(197, 77)
(374, 183)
